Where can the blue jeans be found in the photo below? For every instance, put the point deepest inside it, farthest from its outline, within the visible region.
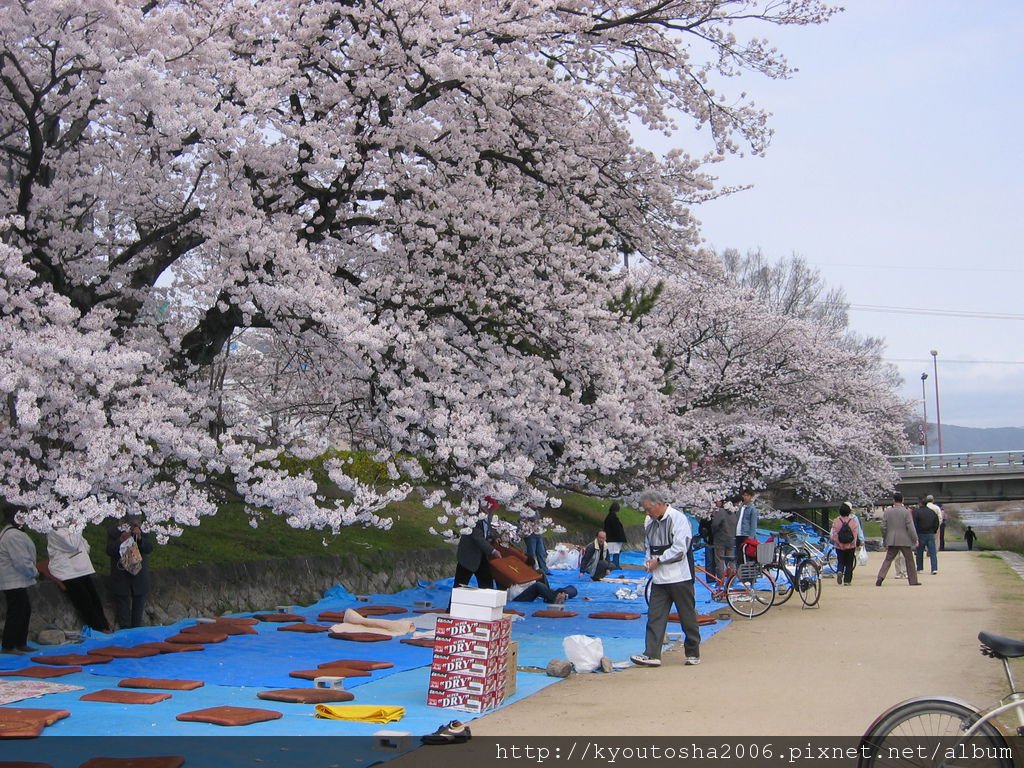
(926, 540)
(536, 549)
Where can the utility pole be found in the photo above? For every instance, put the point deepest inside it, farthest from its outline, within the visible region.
(938, 418)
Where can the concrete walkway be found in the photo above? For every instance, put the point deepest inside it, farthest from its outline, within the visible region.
(827, 671)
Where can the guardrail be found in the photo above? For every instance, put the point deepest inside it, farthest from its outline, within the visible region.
(966, 463)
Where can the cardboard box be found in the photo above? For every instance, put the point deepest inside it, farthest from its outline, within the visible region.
(465, 665)
(472, 649)
(511, 667)
(491, 598)
(476, 612)
(453, 681)
(473, 629)
(465, 702)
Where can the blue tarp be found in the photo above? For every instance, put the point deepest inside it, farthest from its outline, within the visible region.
(235, 670)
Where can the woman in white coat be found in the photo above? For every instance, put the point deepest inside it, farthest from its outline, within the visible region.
(17, 574)
(70, 565)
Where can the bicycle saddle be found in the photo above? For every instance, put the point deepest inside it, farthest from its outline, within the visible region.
(1000, 647)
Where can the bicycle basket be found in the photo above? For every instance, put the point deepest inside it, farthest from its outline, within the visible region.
(748, 571)
(766, 552)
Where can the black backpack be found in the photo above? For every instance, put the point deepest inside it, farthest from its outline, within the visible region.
(845, 534)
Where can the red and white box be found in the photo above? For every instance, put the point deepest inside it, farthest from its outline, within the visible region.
(485, 631)
(441, 682)
(465, 665)
(481, 650)
(465, 702)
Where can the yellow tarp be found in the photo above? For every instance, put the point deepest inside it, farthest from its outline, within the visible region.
(362, 713)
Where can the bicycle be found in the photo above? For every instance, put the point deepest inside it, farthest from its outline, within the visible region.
(794, 570)
(940, 716)
(748, 592)
(823, 552)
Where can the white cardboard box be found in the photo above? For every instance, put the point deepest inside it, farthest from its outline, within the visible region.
(489, 598)
(475, 612)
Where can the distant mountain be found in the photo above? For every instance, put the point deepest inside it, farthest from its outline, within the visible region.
(974, 440)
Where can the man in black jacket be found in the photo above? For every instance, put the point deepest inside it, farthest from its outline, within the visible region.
(475, 553)
(926, 523)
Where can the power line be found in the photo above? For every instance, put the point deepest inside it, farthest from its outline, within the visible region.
(920, 268)
(946, 360)
(935, 312)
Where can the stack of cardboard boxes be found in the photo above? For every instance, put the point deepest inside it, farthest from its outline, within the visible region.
(470, 670)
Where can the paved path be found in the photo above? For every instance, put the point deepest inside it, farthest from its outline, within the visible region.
(787, 672)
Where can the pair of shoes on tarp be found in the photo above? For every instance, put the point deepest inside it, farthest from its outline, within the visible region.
(455, 732)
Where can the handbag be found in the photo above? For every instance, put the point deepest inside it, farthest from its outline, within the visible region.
(862, 556)
(131, 557)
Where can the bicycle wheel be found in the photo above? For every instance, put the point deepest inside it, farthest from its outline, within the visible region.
(783, 582)
(832, 561)
(750, 591)
(808, 582)
(919, 721)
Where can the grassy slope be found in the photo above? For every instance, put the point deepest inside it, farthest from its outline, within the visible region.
(228, 536)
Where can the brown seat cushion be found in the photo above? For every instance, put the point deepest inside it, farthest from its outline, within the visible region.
(163, 761)
(156, 682)
(359, 637)
(430, 610)
(23, 723)
(549, 614)
(312, 674)
(189, 638)
(380, 610)
(41, 672)
(702, 620)
(45, 716)
(306, 695)
(620, 615)
(71, 660)
(230, 715)
(123, 652)
(279, 617)
(422, 642)
(247, 621)
(307, 628)
(219, 627)
(173, 647)
(11, 728)
(512, 611)
(335, 617)
(125, 697)
(357, 664)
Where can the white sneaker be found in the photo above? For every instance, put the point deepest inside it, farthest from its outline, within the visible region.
(643, 660)
(692, 661)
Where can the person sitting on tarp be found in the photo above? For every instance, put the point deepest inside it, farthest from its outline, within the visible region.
(531, 590)
(595, 560)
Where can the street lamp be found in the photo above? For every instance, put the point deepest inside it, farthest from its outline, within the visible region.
(938, 418)
(924, 411)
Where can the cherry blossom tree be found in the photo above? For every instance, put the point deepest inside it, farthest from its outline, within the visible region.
(427, 205)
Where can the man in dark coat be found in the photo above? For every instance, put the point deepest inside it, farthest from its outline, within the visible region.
(474, 555)
(615, 533)
(130, 590)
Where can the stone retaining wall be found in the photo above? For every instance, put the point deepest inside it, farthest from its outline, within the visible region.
(211, 590)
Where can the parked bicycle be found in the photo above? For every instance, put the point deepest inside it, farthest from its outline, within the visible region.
(794, 570)
(815, 540)
(966, 732)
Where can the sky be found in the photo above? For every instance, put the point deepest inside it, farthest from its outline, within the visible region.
(897, 170)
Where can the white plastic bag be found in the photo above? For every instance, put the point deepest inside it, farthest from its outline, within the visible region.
(862, 556)
(585, 652)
